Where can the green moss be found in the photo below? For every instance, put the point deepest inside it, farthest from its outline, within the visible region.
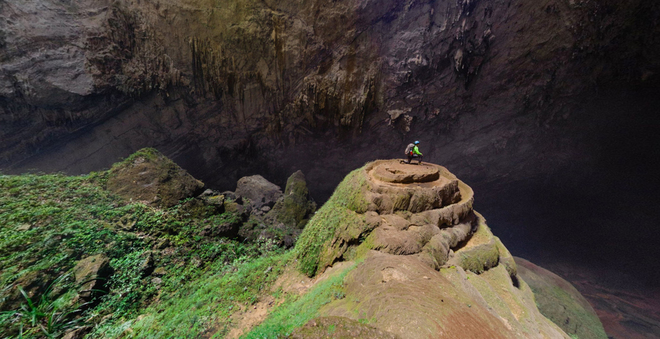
(49, 222)
(147, 175)
(206, 305)
(351, 191)
(335, 223)
(148, 154)
(315, 247)
(297, 311)
(506, 258)
(295, 206)
(479, 258)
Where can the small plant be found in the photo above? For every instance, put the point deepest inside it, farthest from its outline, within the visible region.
(48, 315)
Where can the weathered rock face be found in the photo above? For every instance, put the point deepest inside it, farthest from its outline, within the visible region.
(272, 214)
(34, 284)
(91, 273)
(560, 302)
(419, 270)
(151, 177)
(294, 207)
(257, 191)
(263, 86)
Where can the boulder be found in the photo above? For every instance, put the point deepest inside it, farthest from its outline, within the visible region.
(257, 191)
(227, 228)
(91, 273)
(295, 206)
(34, 283)
(149, 176)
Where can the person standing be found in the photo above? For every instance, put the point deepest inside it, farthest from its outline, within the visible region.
(412, 151)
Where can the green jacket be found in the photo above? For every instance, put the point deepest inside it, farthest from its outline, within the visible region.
(416, 150)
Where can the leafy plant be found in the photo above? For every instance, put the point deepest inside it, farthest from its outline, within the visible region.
(50, 315)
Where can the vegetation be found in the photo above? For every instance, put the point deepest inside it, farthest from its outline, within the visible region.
(206, 304)
(50, 222)
(298, 310)
(338, 211)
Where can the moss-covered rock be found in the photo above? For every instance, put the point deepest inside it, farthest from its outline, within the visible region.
(328, 235)
(257, 192)
(399, 213)
(335, 224)
(33, 283)
(295, 206)
(149, 176)
(91, 273)
(506, 259)
(560, 302)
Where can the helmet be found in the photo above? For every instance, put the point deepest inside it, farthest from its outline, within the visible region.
(416, 142)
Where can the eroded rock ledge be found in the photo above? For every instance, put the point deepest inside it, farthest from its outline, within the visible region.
(426, 264)
(406, 209)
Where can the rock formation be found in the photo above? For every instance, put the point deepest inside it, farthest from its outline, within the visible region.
(91, 274)
(560, 302)
(425, 263)
(256, 86)
(149, 176)
(271, 214)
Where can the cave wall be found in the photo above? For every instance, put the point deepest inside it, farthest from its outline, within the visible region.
(494, 89)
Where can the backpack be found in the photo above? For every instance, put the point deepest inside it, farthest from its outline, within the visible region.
(409, 148)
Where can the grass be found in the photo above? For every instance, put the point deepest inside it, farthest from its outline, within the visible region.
(49, 222)
(297, 311)
(207, 303)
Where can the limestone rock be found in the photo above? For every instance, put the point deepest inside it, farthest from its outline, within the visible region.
(418, 270)
(429, 218)
(91, 273)
(258, 191)
(295, 206)
(149, 176)
(560, 302)
(78, 333)
(159, 272)
(34, 283)
(401, 295)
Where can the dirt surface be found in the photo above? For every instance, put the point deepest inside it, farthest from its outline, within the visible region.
(250, 316)
(339, 328)
(290, 282)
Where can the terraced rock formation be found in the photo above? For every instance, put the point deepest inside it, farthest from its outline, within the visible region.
(427, 265)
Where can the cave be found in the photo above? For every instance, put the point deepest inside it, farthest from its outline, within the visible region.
(548, 109)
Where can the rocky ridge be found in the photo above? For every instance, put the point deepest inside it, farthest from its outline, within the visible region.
(398, 251)
(425, 263)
